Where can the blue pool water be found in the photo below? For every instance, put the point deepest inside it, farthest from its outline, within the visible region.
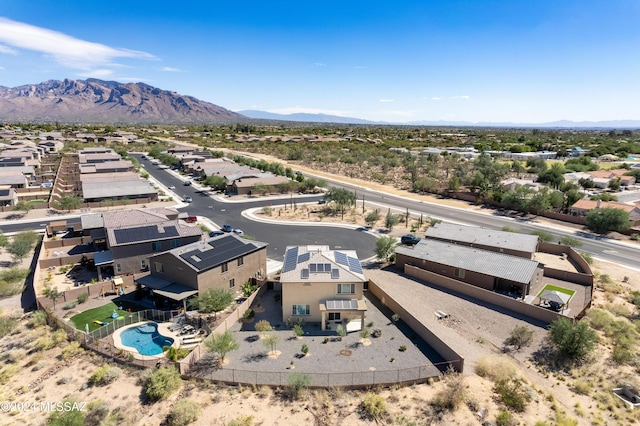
(145, 339)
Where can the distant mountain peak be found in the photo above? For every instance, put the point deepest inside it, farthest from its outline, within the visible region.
(99, 101)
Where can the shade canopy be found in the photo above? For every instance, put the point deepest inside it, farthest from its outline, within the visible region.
(555, 296)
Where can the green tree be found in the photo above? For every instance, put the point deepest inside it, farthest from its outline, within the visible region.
(53, 294)
(372, 218)
(604, 220)
(214, 300)
(553, 176)
(271, 341)
(222, 344)
(520, 336)
(385, 247)
(23, 206)
(68, 202)
(544, 236)
(71, 417)
(19, 249)
(218, 183)
(342, 197)
(574, 341)
(390, 220)
(570, 241)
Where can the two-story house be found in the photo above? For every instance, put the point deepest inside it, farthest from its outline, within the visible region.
(323, 285)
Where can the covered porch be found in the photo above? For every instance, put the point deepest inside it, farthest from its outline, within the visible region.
(167, 289)
(350, 313)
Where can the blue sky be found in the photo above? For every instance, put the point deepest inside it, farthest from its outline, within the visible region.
(457, 60)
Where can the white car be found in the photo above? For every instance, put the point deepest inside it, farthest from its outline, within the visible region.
(172, 187)
(239, 232)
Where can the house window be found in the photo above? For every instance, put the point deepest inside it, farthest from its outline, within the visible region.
(334, 316)
(232, 283)
(459, 273)
(118, 268)
(240, 261)
(159, 267)
(301, 310)
(175, 243)
(224, 267)
(143, 264)
(156, 245)
(346, 289)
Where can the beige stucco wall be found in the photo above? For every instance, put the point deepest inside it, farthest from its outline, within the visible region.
(312, 294)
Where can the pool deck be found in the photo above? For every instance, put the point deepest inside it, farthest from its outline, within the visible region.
(163, 329)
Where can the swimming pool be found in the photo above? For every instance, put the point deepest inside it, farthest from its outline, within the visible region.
(145, 339)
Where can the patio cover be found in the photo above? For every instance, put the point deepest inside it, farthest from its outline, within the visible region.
(103, 258)
(176, 291)
(555, 296)
(153, 282)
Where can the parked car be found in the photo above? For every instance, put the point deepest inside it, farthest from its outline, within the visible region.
(227, 228)
(188, 199)
(172, 187)
(409, 240)
(215, 233)
(192, 219)
(187, 183)
(239, 232)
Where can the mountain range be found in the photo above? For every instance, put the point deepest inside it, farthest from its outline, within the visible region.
(97, 101)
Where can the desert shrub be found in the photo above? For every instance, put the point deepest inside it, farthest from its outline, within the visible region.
(248, 314)
(59, 336)
(97, 411)
(37, 319)
(263, 326)
(70, 305)
(402, 348)
(162, 383)
(7, 325)
(573, 341)
(376, 333)
(304, 349)
(452, 396)
(365, 333)
(16, 356)
(599, 319)
(505, 418)
(373, 406)
(73, 417)
(495, 368)
(622, 355)
(242, 421)
(608, 285)
(521, 336)
(298, 331)
(7, 372)
(71, 350)
(183, 413)
(618, 309)
(105, 375)
(175, 354)
(298, 383)
(581, 387)
(82, 298)
(512, 393)
(144, 376)
(634, 297)
(292, 322)
(587, 257)
(44, 343)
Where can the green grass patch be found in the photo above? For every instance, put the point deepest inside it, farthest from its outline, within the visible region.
(102, 314)
(562, 290)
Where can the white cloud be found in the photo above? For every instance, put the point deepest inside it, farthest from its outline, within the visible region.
(461, 97)
(319, 65)
(8, 50)
(170, 69)
(386, 100)
(66, 50)
(436, 98)
(97, 73)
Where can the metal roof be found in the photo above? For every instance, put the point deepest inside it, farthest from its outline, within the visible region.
(483, 236)
(513, 268)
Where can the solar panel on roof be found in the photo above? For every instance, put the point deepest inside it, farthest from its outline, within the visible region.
(304, 257)
(144, 233)
(304, 273)
(290, 259)
(354, 265)
(341, 258)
